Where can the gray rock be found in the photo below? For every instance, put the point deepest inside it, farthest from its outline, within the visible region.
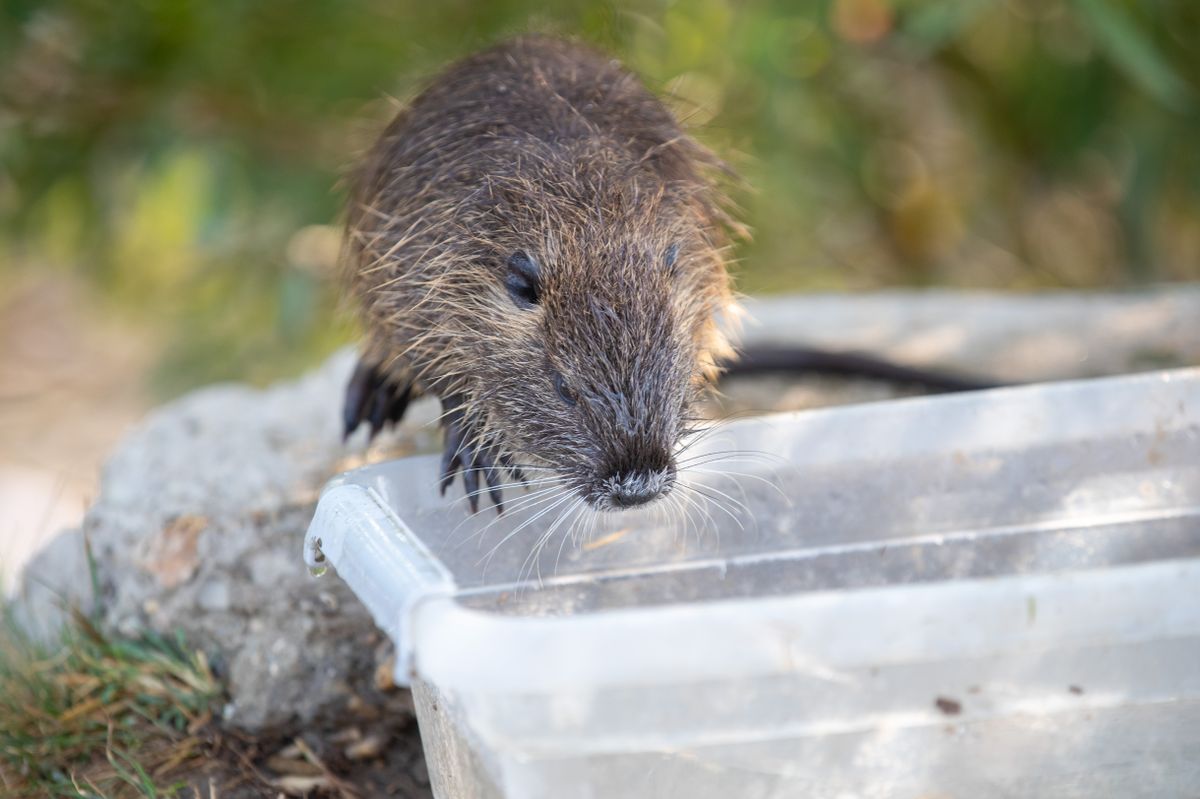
(1051, 335)
(56, 579)
(202, 510)
(198, 527)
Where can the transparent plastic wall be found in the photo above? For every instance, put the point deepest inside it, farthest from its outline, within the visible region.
(995, 594)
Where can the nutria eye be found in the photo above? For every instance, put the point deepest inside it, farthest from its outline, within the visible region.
(564, 391)
(523, 280)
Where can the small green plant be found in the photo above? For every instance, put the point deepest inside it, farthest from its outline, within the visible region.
(100, 717)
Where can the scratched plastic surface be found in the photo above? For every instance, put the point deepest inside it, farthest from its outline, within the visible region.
(995, 594)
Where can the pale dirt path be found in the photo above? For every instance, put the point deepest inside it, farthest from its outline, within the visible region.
(71, 384)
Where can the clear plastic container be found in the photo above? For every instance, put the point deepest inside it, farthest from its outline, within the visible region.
(989, 594)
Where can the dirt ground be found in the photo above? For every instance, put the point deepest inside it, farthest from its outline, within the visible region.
(357, 761)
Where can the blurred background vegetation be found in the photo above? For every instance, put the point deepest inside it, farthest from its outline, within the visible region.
(180, 159)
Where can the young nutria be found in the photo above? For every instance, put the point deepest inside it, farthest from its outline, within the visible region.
(537, 242)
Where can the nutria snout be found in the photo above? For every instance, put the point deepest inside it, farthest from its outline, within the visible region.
(631, 489)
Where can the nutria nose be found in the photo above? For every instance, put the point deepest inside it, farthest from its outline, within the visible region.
(631, 499)
(631, 489)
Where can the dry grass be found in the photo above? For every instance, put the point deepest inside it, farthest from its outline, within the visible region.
(98, 717)
(95, 717)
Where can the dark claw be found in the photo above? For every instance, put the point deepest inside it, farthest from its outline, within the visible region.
(463, 451)
(377, 413)
(484, 461)
(373, 398)
(399, 405)
(358, 390)
(452, 456)
(471, 484)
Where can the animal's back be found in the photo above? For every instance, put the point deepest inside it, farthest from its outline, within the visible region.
(536, 97)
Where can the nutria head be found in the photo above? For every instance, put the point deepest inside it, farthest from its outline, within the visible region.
(597, 340)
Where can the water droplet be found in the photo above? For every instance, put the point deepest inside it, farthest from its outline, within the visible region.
(314, 558)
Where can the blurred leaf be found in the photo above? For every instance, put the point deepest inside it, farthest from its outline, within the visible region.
(931, 25)
(1134, 53)
(170, 150)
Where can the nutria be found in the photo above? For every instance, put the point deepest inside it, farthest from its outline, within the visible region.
(537, 242)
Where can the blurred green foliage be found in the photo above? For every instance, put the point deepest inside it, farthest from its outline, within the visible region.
(184, 154)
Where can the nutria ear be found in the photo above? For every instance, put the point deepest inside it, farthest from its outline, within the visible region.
(565, 392)
(524, 279)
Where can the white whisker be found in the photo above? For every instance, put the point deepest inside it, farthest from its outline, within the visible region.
(565, 496)
(719, 505)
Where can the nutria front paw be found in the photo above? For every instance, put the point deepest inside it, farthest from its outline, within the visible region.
(465, 451)
(372, 397)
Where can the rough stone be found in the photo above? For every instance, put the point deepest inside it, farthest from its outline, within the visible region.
(201, 515)
(198, 527)
(1017, 337)
(56, 579)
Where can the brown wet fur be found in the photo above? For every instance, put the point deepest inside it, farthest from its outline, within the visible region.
(545, 147)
